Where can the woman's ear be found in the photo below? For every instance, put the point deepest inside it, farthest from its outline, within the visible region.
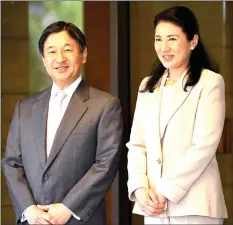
(194, 42)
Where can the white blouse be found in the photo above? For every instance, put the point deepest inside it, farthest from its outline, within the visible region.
(166, 104)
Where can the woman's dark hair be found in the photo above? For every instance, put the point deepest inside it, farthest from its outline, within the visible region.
(59, 26)
(199, 59)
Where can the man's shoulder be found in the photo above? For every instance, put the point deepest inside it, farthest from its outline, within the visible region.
(34, 97)
(99, 99)
(100, 95)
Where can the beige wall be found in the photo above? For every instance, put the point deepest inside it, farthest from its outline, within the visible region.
(218, 39)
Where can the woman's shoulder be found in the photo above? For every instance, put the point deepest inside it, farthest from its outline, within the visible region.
(210, 78)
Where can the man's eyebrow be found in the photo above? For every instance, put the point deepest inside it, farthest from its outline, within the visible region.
(51, 46)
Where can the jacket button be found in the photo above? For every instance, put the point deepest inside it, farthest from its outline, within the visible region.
(158, 161)
(46, 177)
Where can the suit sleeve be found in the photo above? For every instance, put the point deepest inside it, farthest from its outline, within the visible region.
(206, 136)
(12, 164)
(85, 196)
(137, 175)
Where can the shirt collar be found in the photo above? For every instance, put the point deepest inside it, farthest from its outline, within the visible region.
(69, 90)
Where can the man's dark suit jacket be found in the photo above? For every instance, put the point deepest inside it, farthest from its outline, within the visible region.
(83, 160)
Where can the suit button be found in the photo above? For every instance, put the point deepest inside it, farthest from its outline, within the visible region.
(46, 177)
(158, 161)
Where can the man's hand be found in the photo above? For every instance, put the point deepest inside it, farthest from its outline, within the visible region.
(150, 202)
(58, 211)
(35, 215)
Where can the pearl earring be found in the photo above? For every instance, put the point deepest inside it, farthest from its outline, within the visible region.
(192, 48)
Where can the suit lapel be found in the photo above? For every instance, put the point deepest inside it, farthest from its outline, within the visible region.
(177, 99)
(39, 118)
(73, 114)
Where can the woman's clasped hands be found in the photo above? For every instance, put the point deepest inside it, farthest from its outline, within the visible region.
(152, 203)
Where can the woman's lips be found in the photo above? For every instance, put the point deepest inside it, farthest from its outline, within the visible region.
(167, 58)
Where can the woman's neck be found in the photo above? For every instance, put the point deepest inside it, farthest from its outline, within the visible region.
(175, 74)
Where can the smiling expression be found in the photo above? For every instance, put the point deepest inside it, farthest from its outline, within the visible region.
(172, 46)
(63, 59)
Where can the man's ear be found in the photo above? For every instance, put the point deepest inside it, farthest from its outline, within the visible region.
(43, 60)
(84, 55)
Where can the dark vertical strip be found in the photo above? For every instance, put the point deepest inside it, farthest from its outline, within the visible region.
(114, 91)
(124, 96)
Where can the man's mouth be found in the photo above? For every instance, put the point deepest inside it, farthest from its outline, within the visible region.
(61, 68)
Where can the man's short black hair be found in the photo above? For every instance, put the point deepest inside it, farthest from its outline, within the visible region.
(59, 26)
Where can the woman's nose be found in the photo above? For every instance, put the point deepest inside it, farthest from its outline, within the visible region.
(164, 46)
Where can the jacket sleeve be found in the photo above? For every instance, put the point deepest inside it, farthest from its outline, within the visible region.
(90, 190)
(137, 152)
(12, 164)
(207, 132)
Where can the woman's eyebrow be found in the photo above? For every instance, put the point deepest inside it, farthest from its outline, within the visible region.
(170, 35)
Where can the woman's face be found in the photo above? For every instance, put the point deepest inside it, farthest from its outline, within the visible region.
(172, 46)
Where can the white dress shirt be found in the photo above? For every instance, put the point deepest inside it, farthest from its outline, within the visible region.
(53, 122)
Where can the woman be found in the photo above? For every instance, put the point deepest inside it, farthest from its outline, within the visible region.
(177, 126)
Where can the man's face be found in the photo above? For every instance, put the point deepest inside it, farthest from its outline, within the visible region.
(63, 59)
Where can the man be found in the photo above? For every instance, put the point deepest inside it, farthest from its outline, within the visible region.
(62, 150)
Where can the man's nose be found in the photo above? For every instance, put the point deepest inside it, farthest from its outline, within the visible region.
(61, 57)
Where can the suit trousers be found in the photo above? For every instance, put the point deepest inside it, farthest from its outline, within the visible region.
(182, 220)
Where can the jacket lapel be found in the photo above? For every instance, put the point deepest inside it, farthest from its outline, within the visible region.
(152, 122)
(152, 117)
(39, 118)
(157, 97)
(177, 99)
(73, 114)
